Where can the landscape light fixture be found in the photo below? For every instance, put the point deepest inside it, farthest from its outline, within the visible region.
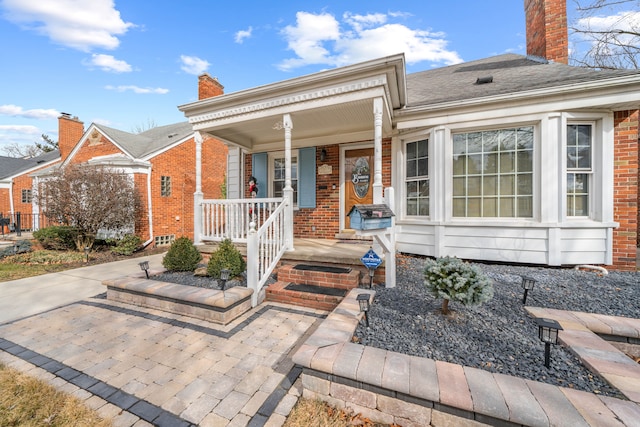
(363, 301)
(87, 249)
(527, 284)
(224, 276)
(548, 333)
(144, 265)
(15, 248)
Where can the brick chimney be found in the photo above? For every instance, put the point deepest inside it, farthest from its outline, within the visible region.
(547, 35)
(208, 86)
(70, 131)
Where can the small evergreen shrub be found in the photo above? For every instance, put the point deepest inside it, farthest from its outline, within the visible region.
(127, 245)
(453, 279)
(57, 237)
(21, 246)
(182, 256)
(226, 256)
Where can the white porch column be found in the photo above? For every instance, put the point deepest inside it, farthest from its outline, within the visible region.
(288, 189)
(198, 196)
(377, 151)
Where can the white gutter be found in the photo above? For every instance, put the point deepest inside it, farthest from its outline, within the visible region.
(150, 209)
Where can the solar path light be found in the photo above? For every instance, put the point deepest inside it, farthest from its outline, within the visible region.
(144, 265)
(548, 334)
(527, 284)
(363, 301)
(224, 276)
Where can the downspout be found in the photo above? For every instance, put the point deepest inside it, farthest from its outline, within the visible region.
(11, 197)
(149, 209)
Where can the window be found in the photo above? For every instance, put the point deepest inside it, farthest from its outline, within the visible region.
(278, 174)
(26, 196)
(417, 178)
(165, 240)
(493, 173)
(165, 186)
(579, 168)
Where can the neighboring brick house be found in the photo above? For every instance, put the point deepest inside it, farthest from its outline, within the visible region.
(16, 186)
(511, 158)
(161, 161)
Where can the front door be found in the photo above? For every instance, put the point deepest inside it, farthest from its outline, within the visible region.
(358, 179)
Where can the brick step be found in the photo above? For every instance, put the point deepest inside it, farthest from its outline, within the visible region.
(305, 295)
(319, 275)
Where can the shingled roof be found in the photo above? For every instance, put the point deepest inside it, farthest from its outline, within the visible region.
(510, 73)
(12, 166)
(150, 141)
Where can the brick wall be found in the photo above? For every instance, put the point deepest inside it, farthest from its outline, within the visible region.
(325, 217)
(626, 194)
(547, 36)
(174, 214)
(208, 86)
(70, 130)
(91, 148)
(5, 203)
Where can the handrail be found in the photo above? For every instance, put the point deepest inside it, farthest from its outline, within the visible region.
(265, 247)
(230, 218)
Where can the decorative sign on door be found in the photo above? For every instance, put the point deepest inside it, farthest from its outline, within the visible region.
(358, 170)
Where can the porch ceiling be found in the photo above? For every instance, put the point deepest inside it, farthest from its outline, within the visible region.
(323, 125)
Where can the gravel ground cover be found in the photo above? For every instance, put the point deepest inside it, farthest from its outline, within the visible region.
(498, 336)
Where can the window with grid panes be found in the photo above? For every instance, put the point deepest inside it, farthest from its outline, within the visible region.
(417, 178)
(165, 186)
(26, 196)
(493, 173)
(579, 168)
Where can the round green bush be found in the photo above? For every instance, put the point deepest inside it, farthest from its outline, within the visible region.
(226, 256)
(57, 237)
(450, 278)
(127, 245)
(182, 256)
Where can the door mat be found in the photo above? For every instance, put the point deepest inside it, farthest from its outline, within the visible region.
(322, 268)
(314, 289)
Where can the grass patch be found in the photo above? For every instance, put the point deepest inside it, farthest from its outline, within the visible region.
(316, 413)
(36, 263)
(26, 401)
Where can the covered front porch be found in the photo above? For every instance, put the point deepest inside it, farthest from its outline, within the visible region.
(316, 145)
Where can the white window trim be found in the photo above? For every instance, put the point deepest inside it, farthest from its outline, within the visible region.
(271, 156)
(596, 132)
(403, 185)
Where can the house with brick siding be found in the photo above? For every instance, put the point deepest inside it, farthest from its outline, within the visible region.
(16, 186)
(511, 158)
(160, 161)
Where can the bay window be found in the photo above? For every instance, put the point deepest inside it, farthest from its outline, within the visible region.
(493, 173)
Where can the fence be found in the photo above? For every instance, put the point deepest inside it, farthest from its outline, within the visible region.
(17, 222)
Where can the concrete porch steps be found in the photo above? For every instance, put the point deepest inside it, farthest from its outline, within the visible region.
(313, 286)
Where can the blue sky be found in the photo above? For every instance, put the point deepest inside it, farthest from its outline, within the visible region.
(130, 63)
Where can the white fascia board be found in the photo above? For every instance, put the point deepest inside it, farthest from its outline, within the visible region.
(291, 102)
(392, 66)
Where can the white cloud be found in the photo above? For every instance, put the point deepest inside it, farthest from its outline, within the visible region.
(322, 39)
(82, 25)
(109, 63)
(137, 89)
(625, 21)
(193, 65)
(20, 129)
(37, 113)
(243, 34)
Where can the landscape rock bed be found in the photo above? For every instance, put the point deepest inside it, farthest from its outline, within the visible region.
(498, 336)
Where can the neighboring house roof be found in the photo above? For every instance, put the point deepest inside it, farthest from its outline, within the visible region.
(12, 166)
(143, 144)
(510, 74)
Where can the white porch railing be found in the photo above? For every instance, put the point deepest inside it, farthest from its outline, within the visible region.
(260, 223)
(230, 218)
(265, 247)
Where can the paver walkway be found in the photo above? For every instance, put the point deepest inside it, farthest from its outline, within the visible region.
(146, 367)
